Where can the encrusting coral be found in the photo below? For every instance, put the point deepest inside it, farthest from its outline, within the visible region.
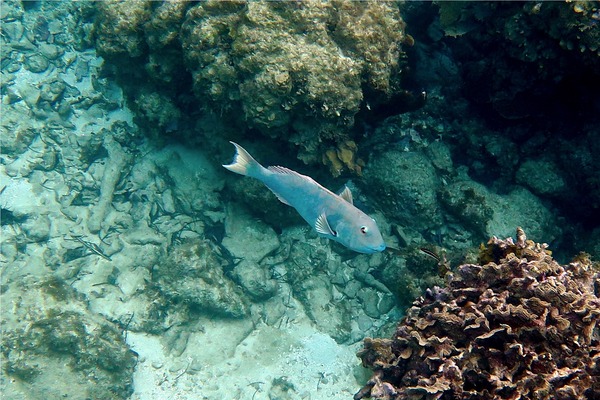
(296, 71)
(517, 326)
(301, 69)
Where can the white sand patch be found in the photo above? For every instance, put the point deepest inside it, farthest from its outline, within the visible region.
(296, 361)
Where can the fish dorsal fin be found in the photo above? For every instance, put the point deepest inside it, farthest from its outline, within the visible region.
(281, 170)
(322, 226)
(286, 171)
(346, 194)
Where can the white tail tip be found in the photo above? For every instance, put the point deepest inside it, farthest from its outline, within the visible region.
(242, 161)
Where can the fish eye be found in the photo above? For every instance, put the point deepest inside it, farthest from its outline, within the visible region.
(364, 229)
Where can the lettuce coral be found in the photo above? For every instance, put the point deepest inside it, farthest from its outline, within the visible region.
(519, 325)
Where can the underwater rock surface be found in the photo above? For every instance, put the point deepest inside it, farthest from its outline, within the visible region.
(133, 266)
(515, 324)
(52, 337)
(192, 274)
(540, 49)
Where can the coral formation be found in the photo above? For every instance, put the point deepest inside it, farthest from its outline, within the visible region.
(542, 51)
(117, 24)
(343, 157)
(297, 71)
(516, 325)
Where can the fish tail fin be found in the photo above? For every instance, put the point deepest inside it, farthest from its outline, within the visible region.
(243, 163)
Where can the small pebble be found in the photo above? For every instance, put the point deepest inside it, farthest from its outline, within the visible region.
(177, 366)
(55, 27)
(37, 228)
(51, 51)
(13, 30)
(364, 323)
(36, 63)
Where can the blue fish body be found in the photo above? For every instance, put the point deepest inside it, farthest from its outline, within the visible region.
(331, 215)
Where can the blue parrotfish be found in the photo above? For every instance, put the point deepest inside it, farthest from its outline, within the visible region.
(332, 216)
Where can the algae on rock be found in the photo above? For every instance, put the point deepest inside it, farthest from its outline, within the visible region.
(192, 273)
(54, 347)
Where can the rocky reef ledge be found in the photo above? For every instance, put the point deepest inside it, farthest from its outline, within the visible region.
(518, 325)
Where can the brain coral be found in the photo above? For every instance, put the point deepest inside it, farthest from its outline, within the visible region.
(519, 326)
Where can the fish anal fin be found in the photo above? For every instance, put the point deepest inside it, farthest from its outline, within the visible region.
(281, 199)
(346, 194)
(322, 226)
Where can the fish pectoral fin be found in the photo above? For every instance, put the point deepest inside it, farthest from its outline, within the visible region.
(322, 226)
(346, 194)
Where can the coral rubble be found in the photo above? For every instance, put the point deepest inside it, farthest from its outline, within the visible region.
(519, 325)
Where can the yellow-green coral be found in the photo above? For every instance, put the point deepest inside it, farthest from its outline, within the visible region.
(343, 157)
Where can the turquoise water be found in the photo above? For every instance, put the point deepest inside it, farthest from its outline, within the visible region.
(135, 267)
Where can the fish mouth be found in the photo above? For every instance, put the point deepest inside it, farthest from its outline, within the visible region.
(381, 247)
(377, 249)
